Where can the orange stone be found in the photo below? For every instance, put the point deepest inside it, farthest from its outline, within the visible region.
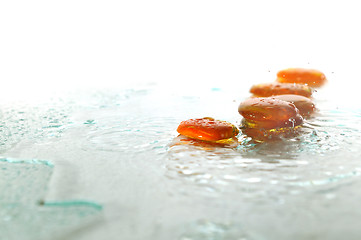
(311, 77)
(271, 89)
(269, 113)
(305, 105)
(207, 129)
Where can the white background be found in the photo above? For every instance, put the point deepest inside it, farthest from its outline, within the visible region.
(72, 44)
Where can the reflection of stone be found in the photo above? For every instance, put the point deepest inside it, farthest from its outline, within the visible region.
(24, 215)
(313, 158)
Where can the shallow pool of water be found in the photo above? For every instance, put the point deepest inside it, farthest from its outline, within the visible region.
(107, 169)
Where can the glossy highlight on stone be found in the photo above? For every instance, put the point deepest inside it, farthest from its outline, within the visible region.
(305, 105)
(269, 113)
(271, 89)
(311, 77)
(207, 129)
(183, 140)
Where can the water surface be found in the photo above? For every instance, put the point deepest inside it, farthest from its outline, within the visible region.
(114, 147)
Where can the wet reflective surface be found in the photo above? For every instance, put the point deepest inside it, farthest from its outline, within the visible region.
(109, 169)
(24, 212)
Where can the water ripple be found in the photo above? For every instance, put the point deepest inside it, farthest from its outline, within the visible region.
(315, 157)
(128, 135)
